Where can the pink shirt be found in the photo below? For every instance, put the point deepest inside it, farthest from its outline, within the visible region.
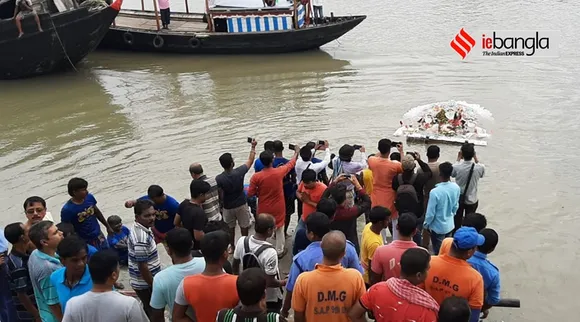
(387, 258)
(163, 4)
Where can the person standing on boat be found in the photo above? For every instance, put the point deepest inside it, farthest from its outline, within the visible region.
(24, 9)
(317, 7)
(165, 13)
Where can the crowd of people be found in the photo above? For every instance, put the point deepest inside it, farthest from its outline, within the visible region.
(69, 271)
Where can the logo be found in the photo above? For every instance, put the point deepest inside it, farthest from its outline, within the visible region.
(462, 43)
(507, 43)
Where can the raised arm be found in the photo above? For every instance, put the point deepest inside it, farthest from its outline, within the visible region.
(252, 155)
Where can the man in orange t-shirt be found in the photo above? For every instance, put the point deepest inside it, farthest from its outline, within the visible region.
(268, 186)
(384, 170)
(451, 275)
(310, 192)
(210, 291)
(328, 292)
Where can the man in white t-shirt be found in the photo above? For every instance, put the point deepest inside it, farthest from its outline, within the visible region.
(255, 251)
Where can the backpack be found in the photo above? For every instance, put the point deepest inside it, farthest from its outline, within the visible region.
(251, 259)
(407, 199)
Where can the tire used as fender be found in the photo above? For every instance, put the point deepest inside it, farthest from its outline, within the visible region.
(158, 42)
(128, 38)
(194, 42)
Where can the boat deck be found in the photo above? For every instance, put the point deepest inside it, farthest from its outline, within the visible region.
(147, 22)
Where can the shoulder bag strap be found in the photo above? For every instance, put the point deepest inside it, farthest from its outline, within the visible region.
(469, 178)
(247, 245)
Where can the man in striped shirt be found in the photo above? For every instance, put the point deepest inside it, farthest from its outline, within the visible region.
(143, 258)
(212, 205)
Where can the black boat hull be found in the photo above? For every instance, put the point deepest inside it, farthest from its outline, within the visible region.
(68, 37)
(230, 43)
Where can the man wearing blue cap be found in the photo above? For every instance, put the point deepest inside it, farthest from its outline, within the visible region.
(451, 275)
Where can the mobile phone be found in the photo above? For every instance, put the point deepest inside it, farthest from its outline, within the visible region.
(321, 142)
(291, 146)
(357, 147)
(411, 154)
(394, 144)
(250, 140)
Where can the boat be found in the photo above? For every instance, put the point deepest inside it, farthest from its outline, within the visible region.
(445, 122)
(228, 27)
(70, 33)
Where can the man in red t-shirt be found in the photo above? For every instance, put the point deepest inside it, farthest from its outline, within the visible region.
(310, 192)
(268, 186)
(400, 299)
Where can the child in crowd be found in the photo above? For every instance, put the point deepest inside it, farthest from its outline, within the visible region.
(119, 239)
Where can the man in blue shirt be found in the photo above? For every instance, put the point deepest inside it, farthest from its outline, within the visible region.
(442, 206)
(165, 210)
(74, 278)
(317, 225)
(82, 212)
(488, 271)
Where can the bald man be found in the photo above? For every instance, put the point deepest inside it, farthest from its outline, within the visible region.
(328, 292)
(267, 258)
(212, 204)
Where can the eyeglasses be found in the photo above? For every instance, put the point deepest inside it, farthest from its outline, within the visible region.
(32, 211)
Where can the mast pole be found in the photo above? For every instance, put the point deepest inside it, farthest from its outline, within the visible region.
(209, 19)
(156, 14)
(142, 5)
(186, 6)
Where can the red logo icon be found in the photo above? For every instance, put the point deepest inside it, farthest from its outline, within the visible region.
(462, 43)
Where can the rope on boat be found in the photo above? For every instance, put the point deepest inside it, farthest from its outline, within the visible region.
(62, 45)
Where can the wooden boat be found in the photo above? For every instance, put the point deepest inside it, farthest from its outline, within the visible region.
(234, 27)
(69, 34)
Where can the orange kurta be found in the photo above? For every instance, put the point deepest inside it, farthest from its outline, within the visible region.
(384, 170)
(268, 187)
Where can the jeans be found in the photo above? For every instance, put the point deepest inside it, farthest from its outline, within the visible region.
(418, 238)
(165, 16)
(437, 240)
(300, 224)
(318, 12)
(145, 297)
(463, 210)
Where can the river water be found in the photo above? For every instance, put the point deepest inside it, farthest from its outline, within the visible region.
(125, 121)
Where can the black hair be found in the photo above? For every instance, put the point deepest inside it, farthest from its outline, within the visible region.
(180, 241)
(226, 160)
(395, 156)
(141, 205)
(213, 245)
(266, 158)
(445, 170)
(309, 176)
(13, 232)
(198, 188)
(39, 232)
(407, 224)
(32, 200)
(71, 246)
(475, 220)
(155, 191)
(269, 146)
(433, 152)
(454, 309)
(278, 146)
(338, 193)
(76, 184)
(214, 225)
(311, 145)
(378, 214)
(264, 222)
(102, 265)
(491, 240)
(113, 219)
(384, 146)
(305, 153)
(196, 169)
(326, 206)
(415, 260)
(345, 153)
(468, 151)
(318, 223)
(66, 228)
(251, 286)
